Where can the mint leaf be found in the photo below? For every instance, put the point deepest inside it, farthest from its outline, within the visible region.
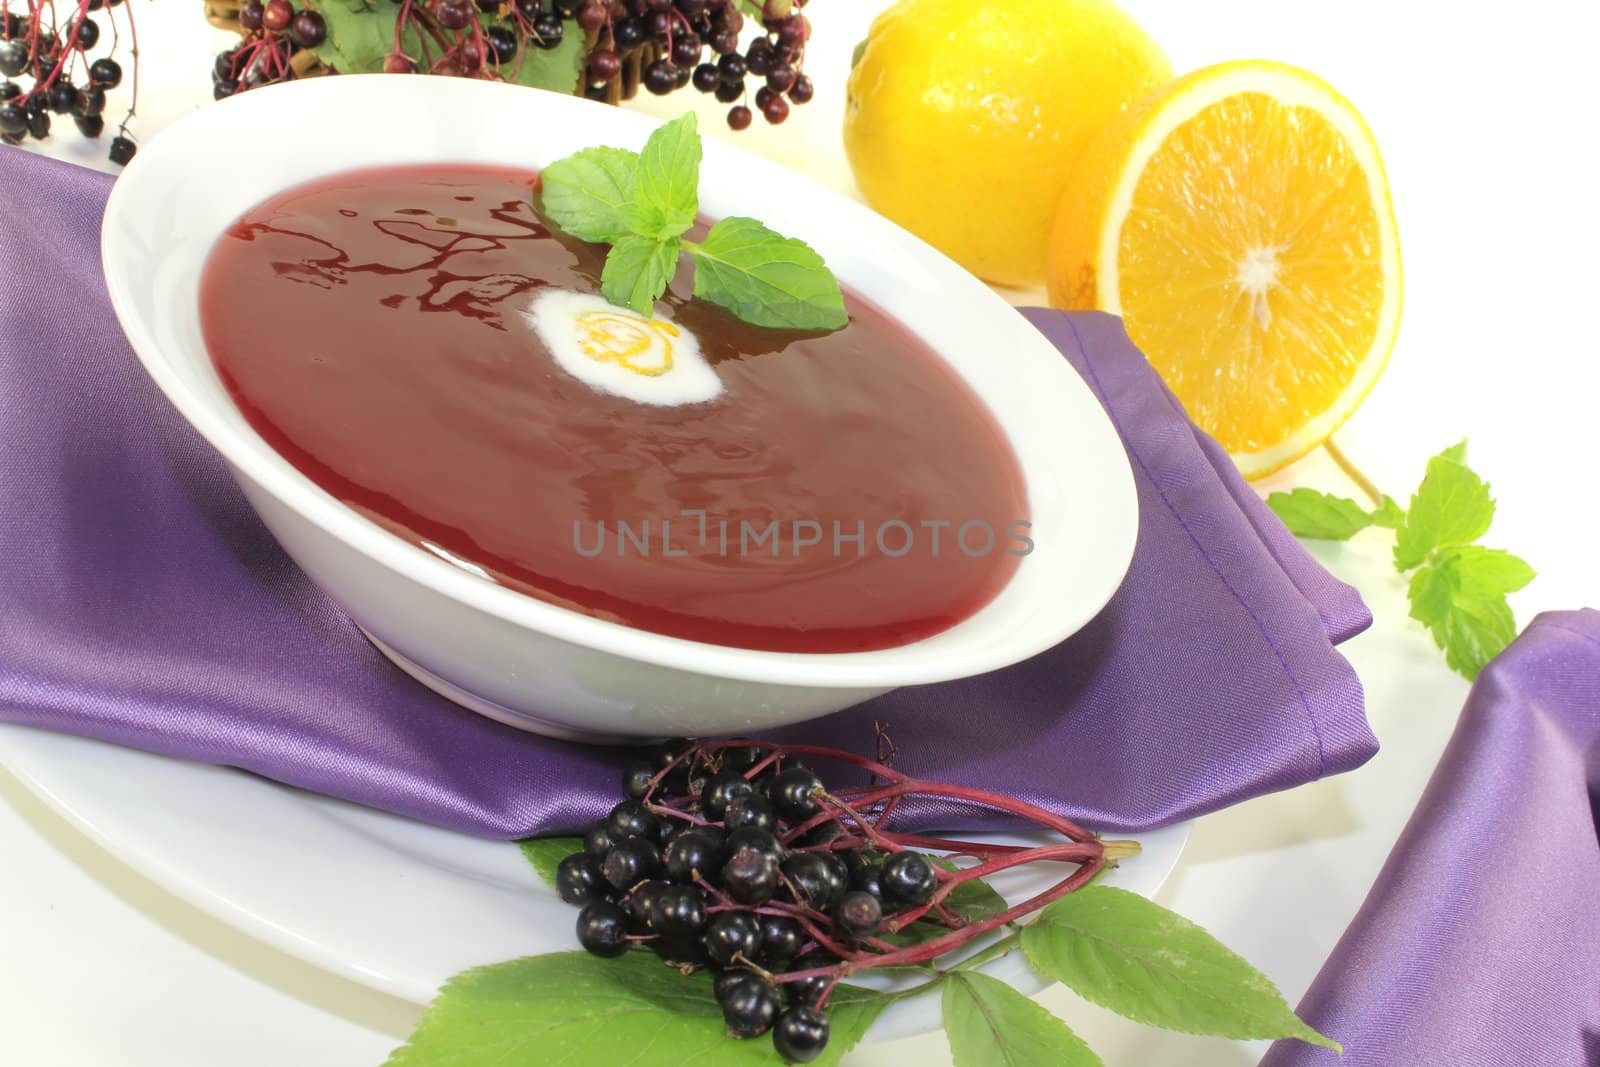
(1452, 506)
(1390, 516)
(989, 1024)
(1142, 961)
(573, 1007)
(1308, 513)
(665, 197)
(546, 854)
(766, 278)
(1460, 596)
(1488, 571)
(587, 193)
(637, 272)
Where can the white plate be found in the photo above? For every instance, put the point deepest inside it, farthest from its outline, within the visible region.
(388, 902)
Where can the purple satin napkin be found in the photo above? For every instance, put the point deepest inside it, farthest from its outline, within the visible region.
(1480, 941)
(142, 603)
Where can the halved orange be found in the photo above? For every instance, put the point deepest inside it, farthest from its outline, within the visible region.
(1239, 220)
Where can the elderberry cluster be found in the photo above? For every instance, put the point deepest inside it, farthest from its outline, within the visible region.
(49, 68)
(729, 857)
(683, 42)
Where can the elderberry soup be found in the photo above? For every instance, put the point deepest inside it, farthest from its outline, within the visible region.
(422, 345)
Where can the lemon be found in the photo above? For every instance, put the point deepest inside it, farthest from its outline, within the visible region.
(1239, 220)
(963, 117)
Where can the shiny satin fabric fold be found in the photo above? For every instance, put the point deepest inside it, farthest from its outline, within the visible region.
(142, 603)
(1480, 940)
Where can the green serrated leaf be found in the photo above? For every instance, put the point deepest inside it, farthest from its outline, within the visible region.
(1142, 961)
(637, 271)
(1456, 453)
(989, 1024)
(576, 1008)
(1452, 506)
(766, 278)
(587, 193)
(1390, 516)
(665, 197)
(1308, 513)
(546, 854)
(1460, 598)
(1488, 571)
(360, 36)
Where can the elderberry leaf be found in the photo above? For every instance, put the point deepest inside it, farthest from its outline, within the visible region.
(989, 1024)
(766, 278)
(573, 1007)
(1129, 954)
(546, 854)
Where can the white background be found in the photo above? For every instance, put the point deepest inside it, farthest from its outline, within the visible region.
(1484, 113)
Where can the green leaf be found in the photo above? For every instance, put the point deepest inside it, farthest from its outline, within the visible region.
(1390, 516)
(546, 854)
(637, 271)
(1451, 507)
(666, 192)
(1142, 961)
(989, 1024)
(1488, 571)
(1308, 513)
(1460, 596)
(576, 1008)
(765, 278)
(587, 193)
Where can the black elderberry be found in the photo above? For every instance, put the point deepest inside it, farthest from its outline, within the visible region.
(739, 117)
(727, 92)
(679, 911)
(122, 150)
(753, 837)
(106, 73)
(548, 31)
(750, 809)
(631, 819)
(749, 1006)
(13, 119)
(750, 876)
(815, 881)
(90, 125)
(598, 841)
(868, 879)
(640, 905)
(629, 33)
(803, 992)
(13, 58)
(251, 14)
(732, 934)
(660, 77)
(803, 90)
(603, 929)
(781, 939)
(741, 757)
(640, 776)
(723, 787)
(793, 791)
(39, 124)
(800, 1035)
(858, 914)
(908, 879)
(63, 97)
(90, 102)
(308, 30)
(87, 35)
(706, 78)
(9, 91)
(695, 853)
(631, 862)
(578, 876)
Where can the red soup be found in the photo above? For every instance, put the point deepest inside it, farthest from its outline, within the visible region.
(840, 492)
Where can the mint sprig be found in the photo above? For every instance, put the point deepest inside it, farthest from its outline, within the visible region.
(1458, 588)
(642, 203)
(1112, 947)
